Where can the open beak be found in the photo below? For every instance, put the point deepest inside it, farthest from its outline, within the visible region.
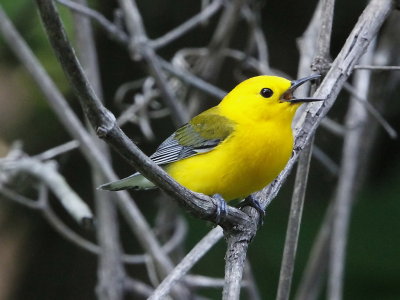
(288, 95)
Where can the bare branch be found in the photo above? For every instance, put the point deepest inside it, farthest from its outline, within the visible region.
(198, 281)
(66, 232)
(140, 49)
(52, 218)
(210, 66)
(110, 271)
(249, 281)
(20, 199)
(320, 63)
(193, 80)
(322, 18)
(137, 287)
(385, 54)
(235, 256)
(187, 263)
(184, 28)
(317, 263)
(333, 126)
(355, 120)
(58, 150)
(259, 39)
(325, 160)
(355, 46)
(47, 173)
(372, 110)
(113, 30)
(128, 208)
(293, 228)
(377, 68)
(341, 68)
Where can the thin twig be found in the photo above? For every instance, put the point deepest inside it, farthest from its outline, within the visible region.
(333, 127)
(293, 228)
(377, 68)
(259, 38)
(355, 120)
(79, 241)
(20, 199)
(139, 47)
(320, 41)
(312, 278)
(250, 283)
(110, 270)
(210, 66)
(58, 150)
(193, 80)
(52, 218)
(199, 281)
(113, 30)
(372, 110)
(47, 173)
(324, 39)
(185, 27)
(325, 160)
(194, 255)
(137, 287)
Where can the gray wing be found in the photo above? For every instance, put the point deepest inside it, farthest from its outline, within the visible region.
(202, 134)
(171, 150)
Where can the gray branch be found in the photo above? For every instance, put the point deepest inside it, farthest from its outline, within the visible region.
(139, 48)
(355, 46)
(110, 271)
(356, 119)
(319, 40)
(128, 208)
(293, 227)
(47, 173)
(187, 263)
(177, 32)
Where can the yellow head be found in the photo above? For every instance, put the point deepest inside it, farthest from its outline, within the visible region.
(264, 98)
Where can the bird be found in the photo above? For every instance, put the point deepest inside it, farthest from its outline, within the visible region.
(234, 148)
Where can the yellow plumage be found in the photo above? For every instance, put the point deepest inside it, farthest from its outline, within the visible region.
(254, 154)
(235, 148)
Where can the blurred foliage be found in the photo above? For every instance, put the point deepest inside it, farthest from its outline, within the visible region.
(56, 269)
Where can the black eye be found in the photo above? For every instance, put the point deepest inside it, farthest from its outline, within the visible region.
(266, 92)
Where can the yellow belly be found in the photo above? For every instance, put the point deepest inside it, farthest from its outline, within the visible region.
(245, 163)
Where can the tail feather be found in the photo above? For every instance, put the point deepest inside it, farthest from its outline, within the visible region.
(135, 181)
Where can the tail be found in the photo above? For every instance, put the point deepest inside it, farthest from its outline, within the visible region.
(136, 181)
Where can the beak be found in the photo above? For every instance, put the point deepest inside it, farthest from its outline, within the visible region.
(288, 95)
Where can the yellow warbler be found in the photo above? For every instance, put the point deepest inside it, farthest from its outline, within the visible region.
(235, 148)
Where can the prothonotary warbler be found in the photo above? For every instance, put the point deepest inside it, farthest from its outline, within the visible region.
(233, 149)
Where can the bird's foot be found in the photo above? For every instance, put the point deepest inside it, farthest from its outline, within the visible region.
(222, 209)
(250, 201)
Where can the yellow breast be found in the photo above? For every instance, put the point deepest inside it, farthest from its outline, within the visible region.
(244, 163)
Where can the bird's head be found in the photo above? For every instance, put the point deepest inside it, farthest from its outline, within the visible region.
(264, 98)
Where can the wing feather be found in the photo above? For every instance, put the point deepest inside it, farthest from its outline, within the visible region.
(202, 134)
